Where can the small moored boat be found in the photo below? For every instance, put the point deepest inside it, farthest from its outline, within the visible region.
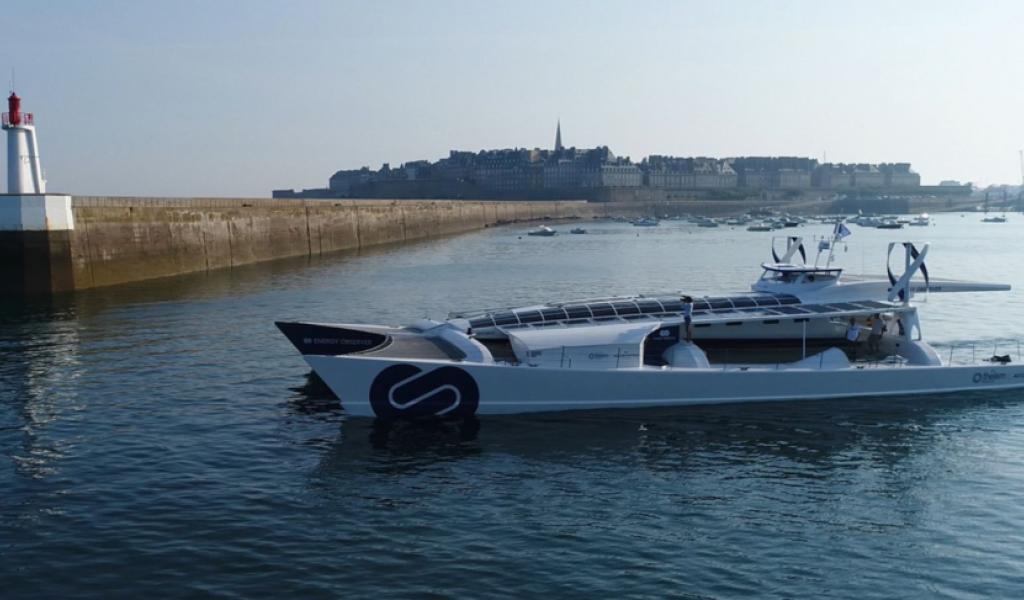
(542, 231)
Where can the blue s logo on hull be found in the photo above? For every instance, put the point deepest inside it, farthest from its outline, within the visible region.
(405, 391)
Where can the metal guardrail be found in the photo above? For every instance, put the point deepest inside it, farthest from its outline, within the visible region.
(24, 119)
(959, 350)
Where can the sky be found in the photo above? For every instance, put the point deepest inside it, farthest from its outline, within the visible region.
(219, 98)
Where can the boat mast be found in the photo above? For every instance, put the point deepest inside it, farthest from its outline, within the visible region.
(832, 244)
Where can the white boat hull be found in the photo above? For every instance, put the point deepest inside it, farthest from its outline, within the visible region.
(372, 387)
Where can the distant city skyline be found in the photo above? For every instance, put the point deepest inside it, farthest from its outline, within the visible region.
(598, 174)
(196, 98)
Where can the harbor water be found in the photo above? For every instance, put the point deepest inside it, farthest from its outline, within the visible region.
(162, 439)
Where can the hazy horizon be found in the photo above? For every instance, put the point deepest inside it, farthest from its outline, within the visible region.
(236, 99)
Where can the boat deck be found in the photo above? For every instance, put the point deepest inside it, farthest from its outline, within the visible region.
(413, 346)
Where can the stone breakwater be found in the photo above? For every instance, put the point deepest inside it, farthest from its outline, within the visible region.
(120, 239)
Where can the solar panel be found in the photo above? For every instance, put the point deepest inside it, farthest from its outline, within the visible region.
(481, 322)
(649, 306)
(577, 311)
(845, 306)
(554, 314)
(505, 319)
(817, 308)
(790, 310)
(874, 304)
(665, 308)
(719, 303)
(626, 308)
(673, 305)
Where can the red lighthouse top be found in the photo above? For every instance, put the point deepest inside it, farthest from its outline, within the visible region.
(14, 109)
(14, 116)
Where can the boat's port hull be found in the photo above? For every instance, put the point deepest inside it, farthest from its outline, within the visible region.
(314, 338)
(397, 389)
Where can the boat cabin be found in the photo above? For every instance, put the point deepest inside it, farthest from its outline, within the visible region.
(790, 279)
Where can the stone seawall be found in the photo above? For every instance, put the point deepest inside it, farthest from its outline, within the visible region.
(118, 240)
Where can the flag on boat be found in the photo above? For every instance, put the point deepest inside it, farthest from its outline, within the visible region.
(841, 231)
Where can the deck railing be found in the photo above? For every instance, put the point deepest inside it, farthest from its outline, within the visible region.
(24, 119)
(958, 352)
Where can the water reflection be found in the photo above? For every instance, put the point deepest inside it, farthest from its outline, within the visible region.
(314, 398)
(812, 437)
(38, 379)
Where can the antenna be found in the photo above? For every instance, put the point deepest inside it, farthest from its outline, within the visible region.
(1020, 193)
(1021, 168)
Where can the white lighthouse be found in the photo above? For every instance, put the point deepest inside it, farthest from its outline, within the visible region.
(27, 206)
(24, 173)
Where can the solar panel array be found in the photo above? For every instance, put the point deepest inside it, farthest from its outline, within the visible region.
(757, 304)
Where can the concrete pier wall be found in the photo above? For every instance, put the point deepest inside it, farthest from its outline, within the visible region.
(119, 240)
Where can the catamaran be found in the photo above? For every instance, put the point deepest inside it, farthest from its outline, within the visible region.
(800, 333)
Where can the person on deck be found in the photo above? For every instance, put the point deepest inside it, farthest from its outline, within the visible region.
(877, 328)
(688, 317)
(853, 331)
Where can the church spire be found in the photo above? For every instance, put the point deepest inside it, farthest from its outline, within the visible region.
(558, 137)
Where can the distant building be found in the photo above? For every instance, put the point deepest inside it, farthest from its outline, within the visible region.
(672, 172)
(899, 175)
(831, 176)
(868, 176)
(792, 179)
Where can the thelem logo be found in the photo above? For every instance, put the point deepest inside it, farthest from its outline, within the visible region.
(407, 391)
